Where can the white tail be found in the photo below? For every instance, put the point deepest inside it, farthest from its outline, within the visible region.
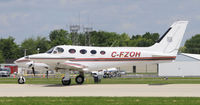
(170, 42)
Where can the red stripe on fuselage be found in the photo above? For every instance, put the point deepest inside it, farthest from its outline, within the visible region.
(110, 59)
(20, 61)
(123, 59)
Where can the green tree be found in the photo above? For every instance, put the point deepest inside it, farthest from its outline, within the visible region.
(31, 45)
(124, 39)
(82, 40)
(10, 50)
(132, 43)
(1, 57)
(102, 38)
(60, 37)
(144, 40)
(137, 36)
(43, 44)
(182, 49)
(192, 45)
(151, 36)
(155, 37)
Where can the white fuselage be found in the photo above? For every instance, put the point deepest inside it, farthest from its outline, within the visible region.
(97, 58)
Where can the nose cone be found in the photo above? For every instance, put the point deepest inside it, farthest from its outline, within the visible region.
(22, 61)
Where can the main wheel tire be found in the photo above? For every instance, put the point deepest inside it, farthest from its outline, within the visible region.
(79, 79)
(21, 80)
(66, 82)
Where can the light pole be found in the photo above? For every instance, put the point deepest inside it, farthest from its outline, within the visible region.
(87, 31)
(25, 52)
(74, 30)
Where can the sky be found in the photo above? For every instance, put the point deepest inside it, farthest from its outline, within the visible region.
(24, 19)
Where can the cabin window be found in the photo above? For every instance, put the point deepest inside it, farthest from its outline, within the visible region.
(58, 50)
(93, 51)
(72, 51)
(102, 52)
(83, 51)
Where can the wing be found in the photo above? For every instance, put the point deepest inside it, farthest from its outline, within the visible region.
(39, 66)
(65, 65)
(72, 65)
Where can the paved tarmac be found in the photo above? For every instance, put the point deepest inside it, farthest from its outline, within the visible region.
(112, 90)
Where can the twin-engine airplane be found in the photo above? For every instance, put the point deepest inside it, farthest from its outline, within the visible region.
(86, 58)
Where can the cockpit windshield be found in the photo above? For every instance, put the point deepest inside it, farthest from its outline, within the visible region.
(50, 51)
(58, 50)
(55, 50)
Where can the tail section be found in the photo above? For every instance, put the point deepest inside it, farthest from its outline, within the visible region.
(170, 42)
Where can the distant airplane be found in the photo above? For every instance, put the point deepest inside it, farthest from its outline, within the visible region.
(87, 58)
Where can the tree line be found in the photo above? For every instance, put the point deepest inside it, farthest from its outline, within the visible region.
(9, 50)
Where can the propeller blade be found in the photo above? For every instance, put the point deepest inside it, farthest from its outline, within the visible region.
(47, 74)
(30, 65)
(33, 70)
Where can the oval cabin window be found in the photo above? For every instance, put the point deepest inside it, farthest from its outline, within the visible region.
(102, 52)
(93, 51)
(83, 51)
(72, 51)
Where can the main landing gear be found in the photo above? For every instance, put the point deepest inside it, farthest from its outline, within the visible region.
(67, 80)
(80, 79)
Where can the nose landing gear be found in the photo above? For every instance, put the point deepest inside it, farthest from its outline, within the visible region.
(21, 80)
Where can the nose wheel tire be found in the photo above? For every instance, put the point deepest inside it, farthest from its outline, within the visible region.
(79, 79)
(21, 80)
(66, 82)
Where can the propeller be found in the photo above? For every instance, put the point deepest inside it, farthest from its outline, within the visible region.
(33, 70)
(47, 74)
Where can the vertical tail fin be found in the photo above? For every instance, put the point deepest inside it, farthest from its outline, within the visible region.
(170, 42)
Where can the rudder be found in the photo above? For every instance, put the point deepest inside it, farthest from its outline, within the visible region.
(170, 42)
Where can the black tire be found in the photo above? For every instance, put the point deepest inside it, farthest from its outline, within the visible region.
(66, 82)
(21, 80)
(79, 79)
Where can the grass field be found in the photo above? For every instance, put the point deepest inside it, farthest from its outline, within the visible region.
(157, 80)
(99, 101)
